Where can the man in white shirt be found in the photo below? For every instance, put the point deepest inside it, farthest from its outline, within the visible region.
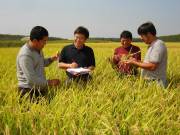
(154, 65)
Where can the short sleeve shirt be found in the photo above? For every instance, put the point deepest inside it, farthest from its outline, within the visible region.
(83, 57)
(156, 53)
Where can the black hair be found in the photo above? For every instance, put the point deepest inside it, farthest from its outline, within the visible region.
(126, 34)
(38, 33)
(82, 30)
(146, 28)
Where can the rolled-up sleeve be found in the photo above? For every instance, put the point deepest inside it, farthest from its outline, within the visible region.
(47, 61)
(92, 59)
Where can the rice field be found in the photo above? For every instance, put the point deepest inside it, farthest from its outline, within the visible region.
(109, 104)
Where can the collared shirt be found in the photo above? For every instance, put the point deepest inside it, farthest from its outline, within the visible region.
(156, 53)
(84, 57)
(30, 68)
(121, 51)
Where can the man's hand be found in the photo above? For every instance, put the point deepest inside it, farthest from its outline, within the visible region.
(91, 68)
(131, 60)
(53, 82)
(67, 65)
(76, 74)
(73, 65)
(55, 57)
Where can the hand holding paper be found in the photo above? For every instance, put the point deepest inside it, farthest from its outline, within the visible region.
(80, 71)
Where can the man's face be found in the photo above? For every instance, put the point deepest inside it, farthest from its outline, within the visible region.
(125, 42)
(41, 43)
(146, 38)
(79, 40)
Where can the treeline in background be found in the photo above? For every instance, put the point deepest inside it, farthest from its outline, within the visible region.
(7, 40)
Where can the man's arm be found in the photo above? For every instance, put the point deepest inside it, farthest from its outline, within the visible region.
(154, 60)
(67, 65)
(115, 58)
(91, 68)
(91, 63)
(148, 66)
(26, 64)
(48, 61)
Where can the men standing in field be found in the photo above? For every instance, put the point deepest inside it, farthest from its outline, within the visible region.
(77, 55)
(155, 62)
(125, 51)
(31, 63)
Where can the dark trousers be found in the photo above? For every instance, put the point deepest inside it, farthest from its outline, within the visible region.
(82, 80)
(32, 92)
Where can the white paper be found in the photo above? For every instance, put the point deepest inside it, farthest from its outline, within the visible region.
(78, 70)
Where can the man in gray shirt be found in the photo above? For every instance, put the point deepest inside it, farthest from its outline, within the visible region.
(155, 63)
(31, 63)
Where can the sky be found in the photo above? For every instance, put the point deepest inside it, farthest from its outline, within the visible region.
(103, 18)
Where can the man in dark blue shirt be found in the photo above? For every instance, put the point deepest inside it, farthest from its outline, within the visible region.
(78, 55)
